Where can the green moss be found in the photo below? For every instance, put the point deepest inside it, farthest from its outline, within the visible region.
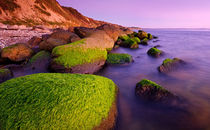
(136, 39)
(154, 52)
(124, 38)
(73, 54)
(167, 61)
(144, 41)
(149, 36)
(4, 71)
(150, 83)
(116, 58)
(55, 101)
(39, 56)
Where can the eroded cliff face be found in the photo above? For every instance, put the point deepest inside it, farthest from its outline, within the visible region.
(42, 12)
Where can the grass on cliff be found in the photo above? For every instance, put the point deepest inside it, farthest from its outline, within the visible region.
(73, 54)
(9, 5)
(55, 101)
(115, 58)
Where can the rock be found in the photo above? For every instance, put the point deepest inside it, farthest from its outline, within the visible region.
(170, 65)
(17, 52)
(5, 74)
(13, 27)
(78, 57)
(116, 46)
(149, 36)
(155, 37)
(151, 91)
(71, 99)
(34, 42)
(144, 42)
(142, 35)
(83, 32)
(126, 41)
(68, 37)
(117, 58)
(22, 27)
(154, 52)
(157, 46)
(40, 62)
(51, 43)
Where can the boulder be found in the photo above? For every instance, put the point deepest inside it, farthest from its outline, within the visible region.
(117, 58)
(126, 41)
(170, 65)
(71, 99)
(83, 32)
(144, 41)
(17, 52)
(5, 74)
(68, 37)
(34, 42)
(154, 52)
(150, 91)
(142, 35)
(40, 61)
(78, 57)
(51, 43)
(149, 36)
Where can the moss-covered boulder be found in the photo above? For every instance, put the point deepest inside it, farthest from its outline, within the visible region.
(144, 41)
(151, 91)
(40, 61)
(142, 34)
(76, 58)
(170, 65)
(149, 36)
(5, 74)
(58, 101)
(154, 52)
(117, 58)
(17, 52)
(128, 42)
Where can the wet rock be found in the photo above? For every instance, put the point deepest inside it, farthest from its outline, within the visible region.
(83, 32)
(128, 42)
(157, 46)
(51, 43)
(117, 58)
(5, 74)
(154, 52)
(66, 36)
(34, 42)
(142, 35)
(17, 52)
(155, 37)
(144, 42)
(169, 65)
(150, 91)
(149, 36)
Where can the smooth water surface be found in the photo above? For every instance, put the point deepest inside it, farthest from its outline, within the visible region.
(191, 83)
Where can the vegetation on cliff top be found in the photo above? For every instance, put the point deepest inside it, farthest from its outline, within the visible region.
(55, 101)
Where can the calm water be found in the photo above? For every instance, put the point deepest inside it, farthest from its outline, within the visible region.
(192, 83)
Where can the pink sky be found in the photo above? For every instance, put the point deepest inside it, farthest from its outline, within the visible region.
(146, 13)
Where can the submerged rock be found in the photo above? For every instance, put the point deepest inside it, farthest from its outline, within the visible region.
(144, 41)
(151, 91)
(117, 58)
(5, 74)
(126, 41)
(154, 52)
(71, 99)
(170, 65)
(17, 52)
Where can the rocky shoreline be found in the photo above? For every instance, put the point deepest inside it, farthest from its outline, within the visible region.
(82, 50)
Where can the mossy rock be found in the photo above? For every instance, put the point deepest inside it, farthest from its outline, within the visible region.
(40, 56)
(144, 41)
(5, 74)
(17, 52)
(170, 65)
(126, 41)
(73, 58)
(154, 52)
(58, 101)
(141, 35)
(151, 91)
(149, 36)
(117, 58)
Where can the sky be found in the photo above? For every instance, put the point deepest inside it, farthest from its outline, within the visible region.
(146, 13)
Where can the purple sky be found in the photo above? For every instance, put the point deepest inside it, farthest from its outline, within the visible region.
(146, 13)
